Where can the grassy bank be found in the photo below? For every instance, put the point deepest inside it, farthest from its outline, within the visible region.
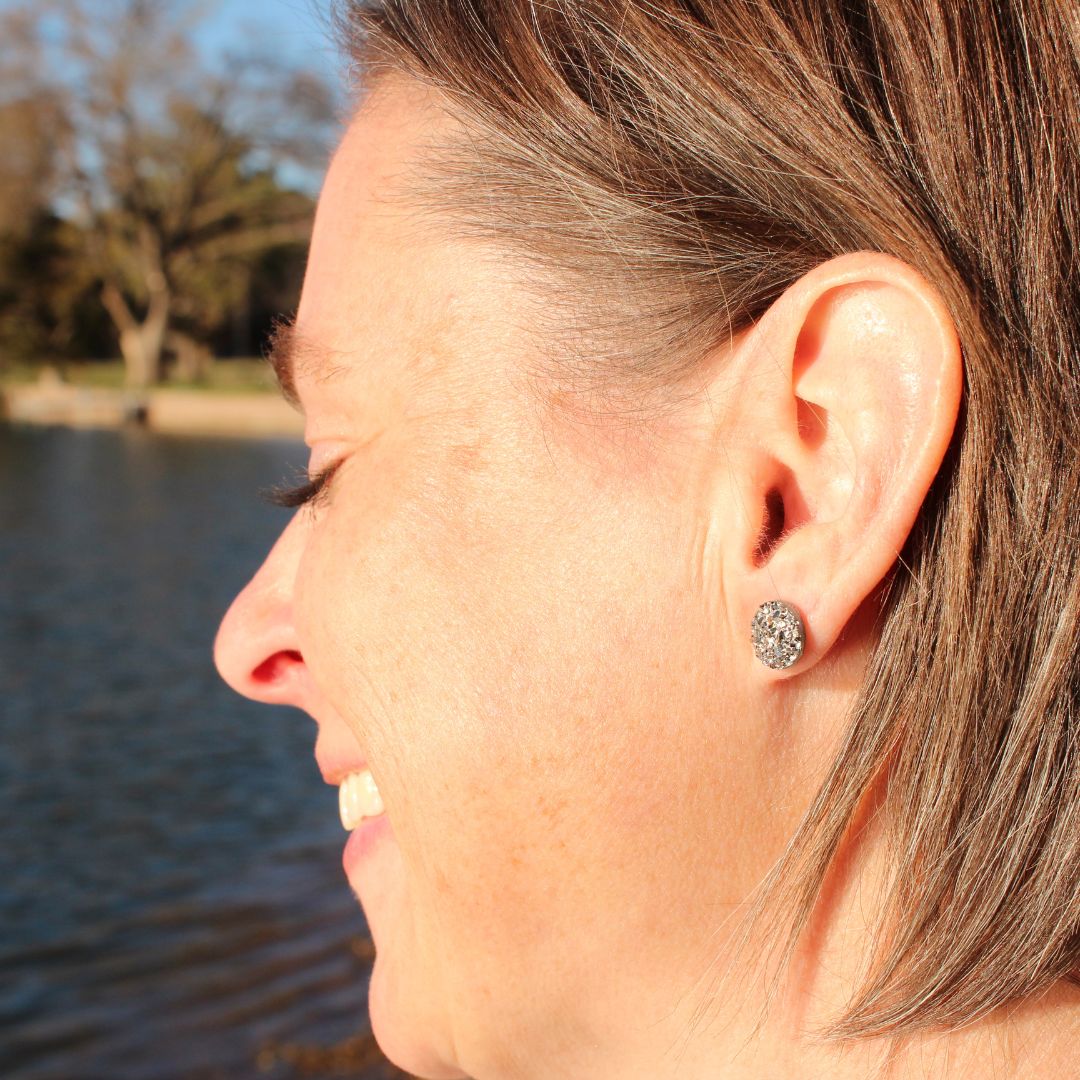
(238, 397)
(243, 375)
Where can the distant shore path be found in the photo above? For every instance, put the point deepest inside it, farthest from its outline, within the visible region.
(194, 412)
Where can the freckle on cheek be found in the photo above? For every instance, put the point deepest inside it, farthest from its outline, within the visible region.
(469, 457)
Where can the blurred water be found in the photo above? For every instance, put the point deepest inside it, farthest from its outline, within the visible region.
(172, 903)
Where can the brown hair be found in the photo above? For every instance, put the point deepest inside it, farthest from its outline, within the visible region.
(668, 168)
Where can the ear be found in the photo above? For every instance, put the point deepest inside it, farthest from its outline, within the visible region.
(846, 393)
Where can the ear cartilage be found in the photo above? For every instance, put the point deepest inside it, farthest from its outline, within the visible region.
(778, 634)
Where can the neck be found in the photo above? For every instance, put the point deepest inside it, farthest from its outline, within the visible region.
(712, 1027)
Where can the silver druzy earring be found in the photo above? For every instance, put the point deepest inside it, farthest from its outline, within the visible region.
(778, 634)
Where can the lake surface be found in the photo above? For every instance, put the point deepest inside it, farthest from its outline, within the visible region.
(172, 901)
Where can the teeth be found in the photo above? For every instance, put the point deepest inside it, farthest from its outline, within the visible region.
(358, 798)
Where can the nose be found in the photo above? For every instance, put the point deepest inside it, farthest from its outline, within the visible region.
(257, 650)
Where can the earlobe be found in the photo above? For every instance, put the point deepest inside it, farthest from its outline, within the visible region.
(856, 376)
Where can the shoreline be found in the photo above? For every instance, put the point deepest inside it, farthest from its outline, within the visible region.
(168, 411)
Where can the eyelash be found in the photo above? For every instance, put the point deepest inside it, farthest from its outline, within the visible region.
(310, 493)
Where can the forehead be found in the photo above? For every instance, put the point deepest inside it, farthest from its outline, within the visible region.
(382, 279)
(383, 142)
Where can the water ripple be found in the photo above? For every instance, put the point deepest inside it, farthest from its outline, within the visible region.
(172, 904)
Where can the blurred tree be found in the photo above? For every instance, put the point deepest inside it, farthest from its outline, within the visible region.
(33, 131)
(32, 263)
(167, 167)
(33, 128)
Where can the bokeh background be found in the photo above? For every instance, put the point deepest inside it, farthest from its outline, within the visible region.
(172, 901)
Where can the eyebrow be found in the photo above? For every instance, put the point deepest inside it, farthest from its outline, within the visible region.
(290, 354)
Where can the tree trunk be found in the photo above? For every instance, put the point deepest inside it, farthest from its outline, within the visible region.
(141, 343)
(193, 359)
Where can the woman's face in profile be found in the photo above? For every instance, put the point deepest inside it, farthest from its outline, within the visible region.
(498, 613)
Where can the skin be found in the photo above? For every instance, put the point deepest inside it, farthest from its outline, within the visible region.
(535, 630)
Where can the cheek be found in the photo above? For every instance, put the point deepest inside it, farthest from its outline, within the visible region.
(509, 662)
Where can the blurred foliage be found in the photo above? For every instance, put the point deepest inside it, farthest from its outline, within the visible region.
(142, 207)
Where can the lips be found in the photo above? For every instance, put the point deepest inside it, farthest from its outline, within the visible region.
(359, 800)
(337, 752)
(333, 772)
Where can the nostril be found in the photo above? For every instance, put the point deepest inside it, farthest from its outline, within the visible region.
(274, 667)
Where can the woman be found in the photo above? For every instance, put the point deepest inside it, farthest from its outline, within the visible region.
(686, 592)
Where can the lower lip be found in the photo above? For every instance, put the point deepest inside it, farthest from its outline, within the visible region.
(363, 840)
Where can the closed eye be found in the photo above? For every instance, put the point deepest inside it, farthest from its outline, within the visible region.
(309, 493)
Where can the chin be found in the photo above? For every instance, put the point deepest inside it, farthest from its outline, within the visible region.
(399, 1037)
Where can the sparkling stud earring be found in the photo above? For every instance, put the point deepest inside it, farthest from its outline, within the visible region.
(778, 634)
